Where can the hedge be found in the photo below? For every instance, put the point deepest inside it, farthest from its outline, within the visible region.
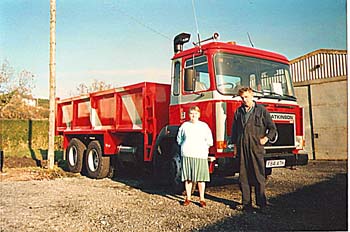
(26, 137)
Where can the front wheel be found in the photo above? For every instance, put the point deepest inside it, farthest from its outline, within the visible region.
(268, 172)
(175, 170)
(161, 169)
(96, 165)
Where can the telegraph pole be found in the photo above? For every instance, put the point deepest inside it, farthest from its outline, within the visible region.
(52, 83)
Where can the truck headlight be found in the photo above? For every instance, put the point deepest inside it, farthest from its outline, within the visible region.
(300, 142)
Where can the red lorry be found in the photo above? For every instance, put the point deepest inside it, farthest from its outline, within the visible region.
(138, 124)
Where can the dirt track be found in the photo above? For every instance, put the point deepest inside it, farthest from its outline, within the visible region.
(313, 197)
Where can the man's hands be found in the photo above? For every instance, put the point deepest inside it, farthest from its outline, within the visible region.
(264, 140)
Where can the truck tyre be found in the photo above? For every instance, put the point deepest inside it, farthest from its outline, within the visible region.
(268, 172)
(160, 169)
(96, 165)
(175, 174)
(75, 153)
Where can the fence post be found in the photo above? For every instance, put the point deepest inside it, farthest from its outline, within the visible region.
(1, 160)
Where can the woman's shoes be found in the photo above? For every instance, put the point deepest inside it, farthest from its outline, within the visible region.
(201, 203)
(186, 202)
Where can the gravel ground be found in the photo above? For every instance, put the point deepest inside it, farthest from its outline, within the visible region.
(312, 197)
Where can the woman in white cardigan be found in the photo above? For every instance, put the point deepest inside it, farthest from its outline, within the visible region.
(195, 138)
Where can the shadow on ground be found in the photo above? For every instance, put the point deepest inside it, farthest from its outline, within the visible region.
(322, 206)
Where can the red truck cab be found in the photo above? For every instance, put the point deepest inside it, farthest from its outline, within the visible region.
(209, 75)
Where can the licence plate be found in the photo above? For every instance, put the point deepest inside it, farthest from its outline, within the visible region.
(275, 163)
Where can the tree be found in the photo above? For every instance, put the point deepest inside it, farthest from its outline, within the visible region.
(13, 83)
(95, 86)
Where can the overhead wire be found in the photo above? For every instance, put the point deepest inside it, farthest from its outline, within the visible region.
(195, 20)
(112, 5)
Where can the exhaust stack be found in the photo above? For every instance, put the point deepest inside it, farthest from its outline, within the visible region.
(179, 41)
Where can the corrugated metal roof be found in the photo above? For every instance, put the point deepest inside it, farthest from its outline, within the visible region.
(319, 64)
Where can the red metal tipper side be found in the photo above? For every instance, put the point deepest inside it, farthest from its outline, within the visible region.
(140, 108)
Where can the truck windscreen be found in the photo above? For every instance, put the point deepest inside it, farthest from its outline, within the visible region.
(267, 78)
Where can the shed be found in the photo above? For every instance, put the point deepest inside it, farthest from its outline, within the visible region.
(320, 82)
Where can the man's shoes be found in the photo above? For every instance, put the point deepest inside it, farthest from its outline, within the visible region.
(244, 208)
(262, 210)
(269, 204)
(186, 202)
(202, 204)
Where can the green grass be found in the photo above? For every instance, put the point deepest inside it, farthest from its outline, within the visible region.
(39, 154)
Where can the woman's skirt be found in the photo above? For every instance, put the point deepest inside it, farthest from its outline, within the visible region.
(195, 169)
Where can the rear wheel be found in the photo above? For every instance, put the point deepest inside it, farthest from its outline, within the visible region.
(75, 153)
(97, 166)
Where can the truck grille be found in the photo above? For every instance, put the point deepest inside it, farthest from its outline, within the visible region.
(286, 136)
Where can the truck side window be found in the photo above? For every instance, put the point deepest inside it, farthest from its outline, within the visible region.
(200, 64)
(176, 78)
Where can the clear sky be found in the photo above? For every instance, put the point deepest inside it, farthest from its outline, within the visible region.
(124, 42)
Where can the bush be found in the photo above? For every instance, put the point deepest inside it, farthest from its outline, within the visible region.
(27, 138)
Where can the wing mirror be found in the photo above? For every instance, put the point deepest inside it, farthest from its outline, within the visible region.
(189, 80)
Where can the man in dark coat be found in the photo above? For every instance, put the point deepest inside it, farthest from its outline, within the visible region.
(252, 128)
